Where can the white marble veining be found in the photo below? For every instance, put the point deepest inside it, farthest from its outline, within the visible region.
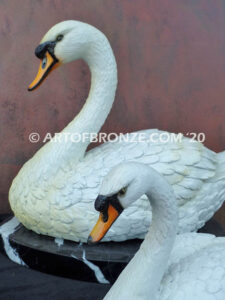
(5, 230)
(98, 273)
(59, 242)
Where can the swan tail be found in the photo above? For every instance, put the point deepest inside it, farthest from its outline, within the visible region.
(221, 157)
(221, 165)
(214, 192)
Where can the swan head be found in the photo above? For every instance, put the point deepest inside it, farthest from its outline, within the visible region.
(123, 185)
(63, 43)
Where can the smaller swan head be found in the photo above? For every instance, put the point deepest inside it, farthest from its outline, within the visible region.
(63, 43)
(123, 185)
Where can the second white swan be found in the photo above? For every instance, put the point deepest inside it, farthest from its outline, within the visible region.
(189, 266)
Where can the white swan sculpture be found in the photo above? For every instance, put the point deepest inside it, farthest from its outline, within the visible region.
(189, 266)
(54, 191)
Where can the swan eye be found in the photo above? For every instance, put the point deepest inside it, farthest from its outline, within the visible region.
(59, 38)
(122, 192)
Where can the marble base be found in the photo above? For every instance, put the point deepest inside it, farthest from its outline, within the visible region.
(98, 263)
(109, 251)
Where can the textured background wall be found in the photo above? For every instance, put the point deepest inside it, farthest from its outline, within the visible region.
(171, 63)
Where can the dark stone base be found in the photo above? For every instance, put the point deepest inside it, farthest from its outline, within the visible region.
(42, 253)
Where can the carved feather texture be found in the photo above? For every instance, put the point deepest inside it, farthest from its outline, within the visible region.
(64, 207)
(196, 269)
(55, 190)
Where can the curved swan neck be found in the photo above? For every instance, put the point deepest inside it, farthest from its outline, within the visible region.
(102, 64)
(103, 69)
(159, 241)
(72, 144)
(142, 277)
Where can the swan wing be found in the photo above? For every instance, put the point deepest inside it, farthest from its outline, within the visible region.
(187, 165)
(64, 206)
(199, 275)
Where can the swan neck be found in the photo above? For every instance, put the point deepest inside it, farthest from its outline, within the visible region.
(160, 238)
(89, 121)
(69, 149)
(142, 277)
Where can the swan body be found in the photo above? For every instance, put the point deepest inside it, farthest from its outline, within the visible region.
(54, 191)
(167, 266)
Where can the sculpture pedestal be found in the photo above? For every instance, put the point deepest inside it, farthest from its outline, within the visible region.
(98, 263)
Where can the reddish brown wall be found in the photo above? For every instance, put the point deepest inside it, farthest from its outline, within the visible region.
(171, 62)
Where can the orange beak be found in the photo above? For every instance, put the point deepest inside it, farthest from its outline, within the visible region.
(48, 63)
(101, 227)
